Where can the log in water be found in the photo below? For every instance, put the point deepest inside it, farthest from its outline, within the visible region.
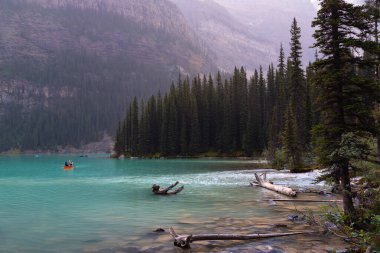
(263, 182)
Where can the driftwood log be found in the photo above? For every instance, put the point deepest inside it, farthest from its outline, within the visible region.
(304, 200)
(183, 241)
(156, 189)
(263, 182)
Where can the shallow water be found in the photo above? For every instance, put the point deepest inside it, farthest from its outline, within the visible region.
(106, 205)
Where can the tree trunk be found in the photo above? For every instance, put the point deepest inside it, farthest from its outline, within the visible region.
(378, 149)
(348, 205)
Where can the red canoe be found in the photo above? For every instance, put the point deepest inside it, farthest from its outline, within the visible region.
(68, 167)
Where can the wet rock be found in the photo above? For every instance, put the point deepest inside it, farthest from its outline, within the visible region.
(293, 217)
(338, 251)
(159, 230)
(264, 248)
(323, 193)
(268, 249)
(330, 225)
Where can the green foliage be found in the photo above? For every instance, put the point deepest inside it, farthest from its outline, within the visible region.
(280, 159)
(353, 146)
(367, 234)
(291, 142)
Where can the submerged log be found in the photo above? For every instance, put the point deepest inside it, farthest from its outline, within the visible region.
(183, 241)
(263, 182)
(156, 189)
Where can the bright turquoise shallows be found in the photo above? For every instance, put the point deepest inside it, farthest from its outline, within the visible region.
(106, 205)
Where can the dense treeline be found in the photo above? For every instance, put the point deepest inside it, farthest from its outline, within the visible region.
(239, 115)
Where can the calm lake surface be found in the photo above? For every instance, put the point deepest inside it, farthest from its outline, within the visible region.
(106, 205)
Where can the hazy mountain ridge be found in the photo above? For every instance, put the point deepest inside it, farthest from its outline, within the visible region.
(42, 30)
(234, 43)
(248, 33)
(271, 19)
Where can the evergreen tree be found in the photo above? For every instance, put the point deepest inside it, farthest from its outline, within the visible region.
(296, 97)
(159, 125)
(309, 116)
(227, 134)
(195, 139)
(341, 92)
(262, 120)
(372, 48)
(173, 123)
(249, 137)
(165, 126)
(271, 111)
(134, 135)
(281, 95)
(290, 140)
(183, 137)
(219, 112)
(211, 99)
(256, 113)
(205, 114)
(243, 105)
(119, 146)
(143, 131)
(128, 130)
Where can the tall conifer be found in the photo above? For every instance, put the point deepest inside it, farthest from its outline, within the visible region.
(341, 93)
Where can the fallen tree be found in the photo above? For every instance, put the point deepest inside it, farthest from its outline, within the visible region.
(156, 189)
(263, 182)
(183, 241)
(304, 200)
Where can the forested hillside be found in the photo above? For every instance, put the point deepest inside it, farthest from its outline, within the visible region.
(68, 69)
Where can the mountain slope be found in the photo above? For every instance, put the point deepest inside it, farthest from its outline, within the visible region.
(271, 20)
(233, 42)
(246, 32)
(69, 68)
(153, 30)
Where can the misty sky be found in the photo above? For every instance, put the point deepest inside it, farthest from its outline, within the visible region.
(315, 2)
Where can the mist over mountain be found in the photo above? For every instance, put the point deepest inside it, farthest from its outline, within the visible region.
(233, 41)
(246, 32)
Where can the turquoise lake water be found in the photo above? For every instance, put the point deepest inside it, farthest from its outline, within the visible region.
(106, 205)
